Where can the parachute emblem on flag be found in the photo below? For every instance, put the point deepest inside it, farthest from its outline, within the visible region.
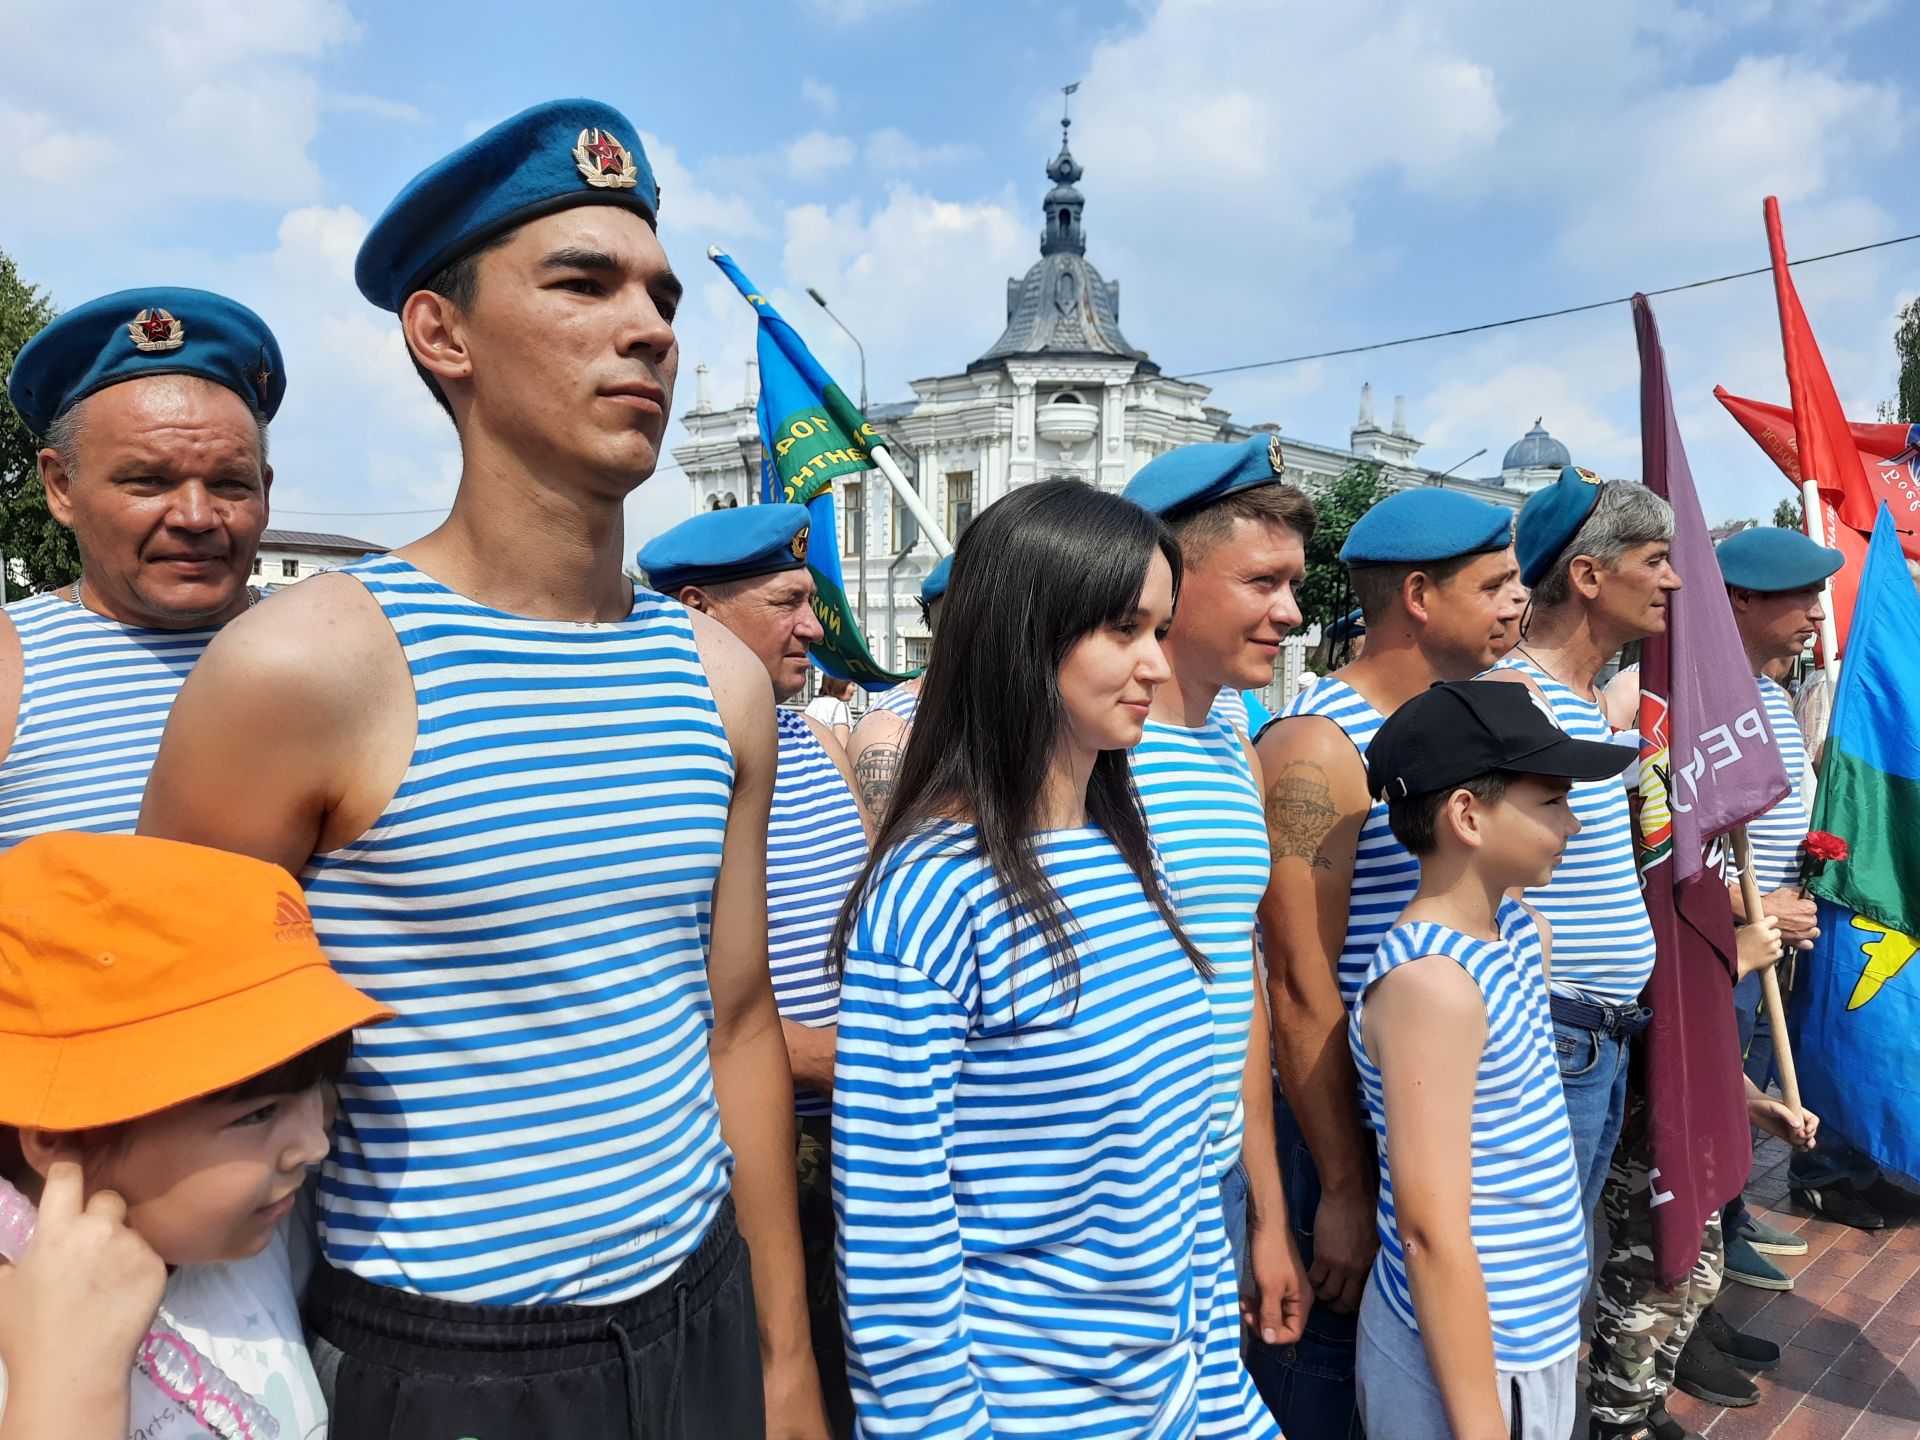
(1655, 825)
(1886, 958)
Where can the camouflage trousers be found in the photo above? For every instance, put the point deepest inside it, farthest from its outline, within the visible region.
(1640, 1329)
(813, 1170)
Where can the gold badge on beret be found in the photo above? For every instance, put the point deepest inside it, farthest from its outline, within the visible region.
(262, 373)
(799, 543)
(155, 330)
(1588, 475)
(604, 161)
(1275, 458)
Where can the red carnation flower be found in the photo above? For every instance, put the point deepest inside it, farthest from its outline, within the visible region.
(1822, 846)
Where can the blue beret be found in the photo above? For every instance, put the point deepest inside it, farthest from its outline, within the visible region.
(1426, 523)
(552, 157)
(1195, 476)
(718, 545)
(1351, 624)
(166, 330)
(935, 585)
(1769, 559)
(1551, 518)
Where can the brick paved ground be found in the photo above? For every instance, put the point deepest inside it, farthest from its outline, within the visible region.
(1850, 1329)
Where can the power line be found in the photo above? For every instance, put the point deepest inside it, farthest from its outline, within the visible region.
(1529, 319)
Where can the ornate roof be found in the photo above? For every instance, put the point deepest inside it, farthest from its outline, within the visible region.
(1536, 450)
(1062, 306)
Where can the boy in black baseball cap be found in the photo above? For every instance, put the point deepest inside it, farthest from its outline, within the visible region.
(1471, 1321)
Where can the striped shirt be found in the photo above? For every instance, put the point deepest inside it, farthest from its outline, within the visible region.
(1529, 1226)
(898, 701)
(1231, 706)
(539, 1124)
(1204, 811)
(94, 699)
(1385, 876)
(815, 848)
(1602, 939)
(1030, 1236)
(1777, 836)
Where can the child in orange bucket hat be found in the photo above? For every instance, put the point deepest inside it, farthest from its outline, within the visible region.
(169, 1032)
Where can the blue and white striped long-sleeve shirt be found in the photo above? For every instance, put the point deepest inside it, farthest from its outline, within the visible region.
(1029, 1226)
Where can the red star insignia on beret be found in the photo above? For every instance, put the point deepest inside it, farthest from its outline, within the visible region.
(604, 162)
(154, 329)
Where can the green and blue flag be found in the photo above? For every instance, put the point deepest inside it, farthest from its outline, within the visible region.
(811, 434)
(1857, 1001)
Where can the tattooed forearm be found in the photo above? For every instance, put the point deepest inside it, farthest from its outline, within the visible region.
(1300, 812)
(874, 772)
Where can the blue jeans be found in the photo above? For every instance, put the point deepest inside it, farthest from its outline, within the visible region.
(1233, 1210)
(1309, 1385)
(1593, 1076)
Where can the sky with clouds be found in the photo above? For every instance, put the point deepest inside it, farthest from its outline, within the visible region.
(1264, 178)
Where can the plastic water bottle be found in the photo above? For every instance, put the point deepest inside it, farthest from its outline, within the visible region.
(171, 1376)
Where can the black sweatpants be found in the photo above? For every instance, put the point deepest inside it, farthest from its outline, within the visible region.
(681, 1362)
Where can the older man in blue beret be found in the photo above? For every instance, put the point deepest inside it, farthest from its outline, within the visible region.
(1242, 531)
(747, 568)
(534, 799)
(153, 405)
(1435, 575)
(880, 739)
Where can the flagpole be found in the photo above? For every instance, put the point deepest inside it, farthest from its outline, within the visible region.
(1769, 977)
(1815, 525)
(910, 498)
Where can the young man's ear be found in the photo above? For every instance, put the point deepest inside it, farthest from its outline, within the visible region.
(1461, 812)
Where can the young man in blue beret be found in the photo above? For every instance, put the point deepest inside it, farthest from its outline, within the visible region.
(1434, 573)
(153, 405)
(1776, 580)
(529, 801)
(1243, 532)
(747, 568)
(880, 739)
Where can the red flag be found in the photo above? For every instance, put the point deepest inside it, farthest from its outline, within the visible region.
(1889, 457)
(1708, 762)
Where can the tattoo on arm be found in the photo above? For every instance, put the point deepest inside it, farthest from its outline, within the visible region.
(875, 772)
(1300, 812)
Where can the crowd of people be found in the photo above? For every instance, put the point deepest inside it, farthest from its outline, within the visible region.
(460, 996)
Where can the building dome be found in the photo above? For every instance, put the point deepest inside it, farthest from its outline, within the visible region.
(1536, 450)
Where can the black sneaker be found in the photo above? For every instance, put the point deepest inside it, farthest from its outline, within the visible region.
(1841, 1201)
(1891, 1199)
(1749, 1352)
(1662, 1426)
(1621, 1430)
(1706, 1374)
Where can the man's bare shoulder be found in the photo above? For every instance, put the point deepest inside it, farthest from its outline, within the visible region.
(734, 673)
(1313, 743)
(1511, 675)
(878, 727)
(310, 637)
(13, 669)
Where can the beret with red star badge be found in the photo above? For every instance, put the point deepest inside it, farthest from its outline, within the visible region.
(131, 334)
(549, 158)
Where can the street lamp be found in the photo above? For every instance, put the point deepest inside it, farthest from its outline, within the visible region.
(1457, 464)
(866, 500)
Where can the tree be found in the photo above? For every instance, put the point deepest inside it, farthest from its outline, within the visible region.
(36, 547)
(1789, 515)
(1906, 344)
(1323, 593)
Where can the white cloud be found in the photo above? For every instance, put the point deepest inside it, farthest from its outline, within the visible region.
(892, 149)
(692, 209)
(817, 153)
(377, 107)
(820, 95)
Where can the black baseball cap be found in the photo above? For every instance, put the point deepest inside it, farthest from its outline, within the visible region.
(1461, 729)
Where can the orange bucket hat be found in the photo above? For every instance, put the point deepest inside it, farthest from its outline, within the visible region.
(137, 974)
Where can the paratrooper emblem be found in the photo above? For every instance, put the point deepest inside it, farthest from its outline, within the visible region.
(799, 543)
(605, 163)
(1275, 458)
(155, 330)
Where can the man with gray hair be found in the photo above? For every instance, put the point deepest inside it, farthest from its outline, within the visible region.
(154, 407)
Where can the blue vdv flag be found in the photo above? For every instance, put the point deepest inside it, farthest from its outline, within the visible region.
(1857, 999)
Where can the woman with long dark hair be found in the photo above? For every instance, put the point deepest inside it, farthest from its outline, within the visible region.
(1031, 1242)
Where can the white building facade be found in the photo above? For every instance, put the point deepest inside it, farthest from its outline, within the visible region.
(1061, 393)
(289, 555)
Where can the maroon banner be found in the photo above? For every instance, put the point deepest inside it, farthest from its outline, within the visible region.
(1708, 762)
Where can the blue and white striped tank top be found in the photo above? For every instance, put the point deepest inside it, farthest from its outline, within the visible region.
(1204, 811)
(1231, 706)
(1385, 876)
(94, 700)
(898, 701)
(539, 1124)
(1529, 1227)
(1031, 1237)
(1778, 835)
(1602, 939)
(815, 848)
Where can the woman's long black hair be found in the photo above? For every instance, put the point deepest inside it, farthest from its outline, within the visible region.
(1034, 574)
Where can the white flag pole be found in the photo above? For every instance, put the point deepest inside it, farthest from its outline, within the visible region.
(1814, 514)
(910, 498)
